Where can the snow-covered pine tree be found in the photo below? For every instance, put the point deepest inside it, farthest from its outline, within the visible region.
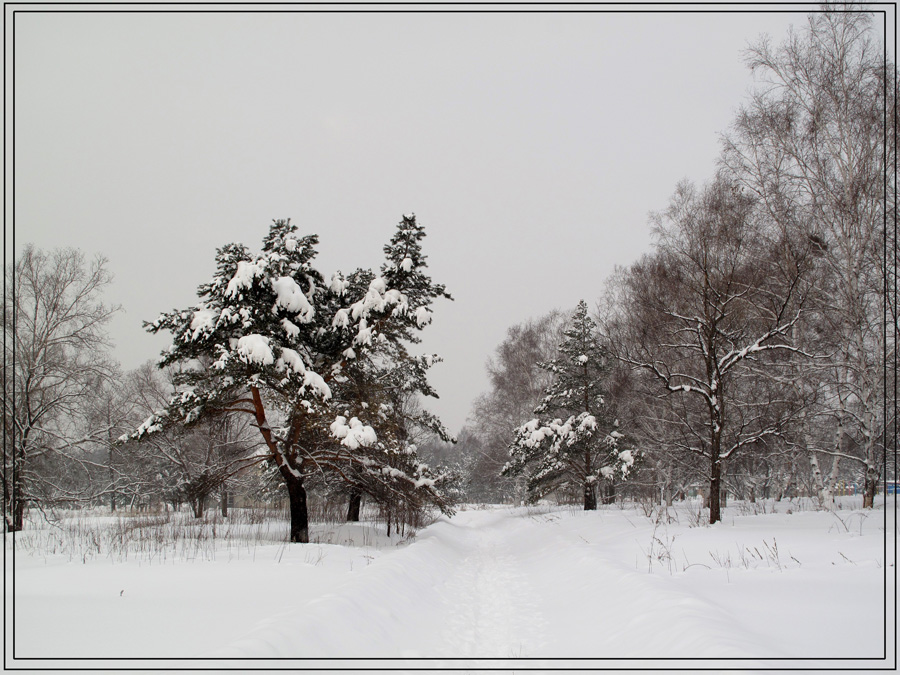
(572, 442)
(281, 338)
(379, 385)
(379, 382)
(404, 267)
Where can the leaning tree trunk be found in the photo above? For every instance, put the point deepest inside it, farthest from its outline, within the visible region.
(299, 513)
(293, 479)
(354, 506)
(590, 497)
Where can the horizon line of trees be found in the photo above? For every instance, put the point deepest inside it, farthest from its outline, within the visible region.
(752, 352)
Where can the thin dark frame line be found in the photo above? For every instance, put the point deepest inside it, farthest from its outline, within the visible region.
(460, 669)
(895, 323)
(465, 668)
(623, 11)
(5, 336)
(415, 11)
(469, 4)
(14, 318)
(884, 308)
(752, 659)
(884, 218)
(523, 666)
(386, 658)
(477, 668)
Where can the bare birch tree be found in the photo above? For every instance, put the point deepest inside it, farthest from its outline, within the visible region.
(815, 144)
(55, 355)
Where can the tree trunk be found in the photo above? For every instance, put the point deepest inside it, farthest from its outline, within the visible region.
(197, 506)
(299, 514)
(785, 486)
(590, 497)
(223, 500)
(826, 486)
(609, 494)
(822, 493)
(17, 522)
(18, 494)
(715, 487)
(112, 495)
(353, 507)
(871, 484)
(668, 494)
(829, 484)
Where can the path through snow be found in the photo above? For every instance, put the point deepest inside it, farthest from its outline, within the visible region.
(501, 584)
(490, 603)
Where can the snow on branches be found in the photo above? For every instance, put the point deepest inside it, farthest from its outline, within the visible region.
(582, 447)
(354, 433)
(270, 336)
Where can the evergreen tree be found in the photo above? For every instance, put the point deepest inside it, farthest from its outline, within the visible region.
(572, 442)
(286, 347)
(379, 382)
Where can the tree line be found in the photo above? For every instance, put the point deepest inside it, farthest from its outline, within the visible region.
(755, 347)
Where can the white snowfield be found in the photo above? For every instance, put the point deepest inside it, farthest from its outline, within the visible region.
(611, 589)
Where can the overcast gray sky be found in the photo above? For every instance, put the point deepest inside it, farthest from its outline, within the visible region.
(531, 147)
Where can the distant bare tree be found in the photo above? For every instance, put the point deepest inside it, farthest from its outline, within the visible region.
(184, 464)
(710, 312)
(517, 386)
(110, 407)
(55, 356)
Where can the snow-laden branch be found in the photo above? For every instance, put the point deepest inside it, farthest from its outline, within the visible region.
(730, 359)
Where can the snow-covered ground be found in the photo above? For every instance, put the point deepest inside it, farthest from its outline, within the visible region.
(532, 583)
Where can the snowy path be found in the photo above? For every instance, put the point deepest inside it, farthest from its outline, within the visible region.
(491, 607)
(459, 591)
(502, 584)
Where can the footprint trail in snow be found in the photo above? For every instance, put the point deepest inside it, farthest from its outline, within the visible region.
(491, 607)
